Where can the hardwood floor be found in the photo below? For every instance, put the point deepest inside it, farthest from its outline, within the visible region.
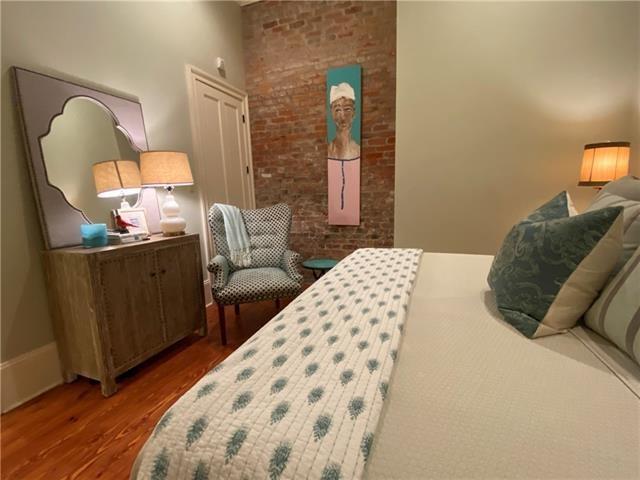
(72, 431)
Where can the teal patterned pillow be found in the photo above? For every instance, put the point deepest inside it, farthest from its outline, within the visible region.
(551, 266)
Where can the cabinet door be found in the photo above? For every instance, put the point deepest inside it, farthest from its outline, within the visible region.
(131, 300)
(182, 289)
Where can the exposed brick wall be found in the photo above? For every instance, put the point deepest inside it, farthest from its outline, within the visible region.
(288, 48)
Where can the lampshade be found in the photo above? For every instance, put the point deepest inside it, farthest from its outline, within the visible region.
(116, 178)
(603, 162)
(163, 169)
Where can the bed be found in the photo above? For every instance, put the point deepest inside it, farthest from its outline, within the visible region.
(439, 387)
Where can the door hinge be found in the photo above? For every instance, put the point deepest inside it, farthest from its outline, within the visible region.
(243, 119)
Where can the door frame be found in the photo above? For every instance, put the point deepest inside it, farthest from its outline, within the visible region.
(193, 75)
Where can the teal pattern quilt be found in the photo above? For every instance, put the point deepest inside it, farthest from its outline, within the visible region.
(302, 397)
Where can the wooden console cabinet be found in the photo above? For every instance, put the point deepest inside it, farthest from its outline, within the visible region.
(113, 307)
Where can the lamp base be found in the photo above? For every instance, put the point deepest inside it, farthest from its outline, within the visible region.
(172, 223)
(173, 234)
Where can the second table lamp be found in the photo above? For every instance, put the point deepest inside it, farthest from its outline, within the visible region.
(168, 170)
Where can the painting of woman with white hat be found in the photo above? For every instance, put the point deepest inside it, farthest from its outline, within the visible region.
(343, 152)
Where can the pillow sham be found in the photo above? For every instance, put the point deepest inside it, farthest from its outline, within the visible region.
(616, 313)
(624, 192)
(551, 266)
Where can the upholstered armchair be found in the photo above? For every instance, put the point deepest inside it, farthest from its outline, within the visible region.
(274, 270)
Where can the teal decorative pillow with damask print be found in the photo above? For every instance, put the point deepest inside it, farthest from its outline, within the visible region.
(553, 264)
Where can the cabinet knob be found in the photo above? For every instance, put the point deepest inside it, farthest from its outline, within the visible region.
(163, 271)
(152, 274)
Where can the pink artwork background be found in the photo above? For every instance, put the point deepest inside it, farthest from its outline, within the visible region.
(349, 213)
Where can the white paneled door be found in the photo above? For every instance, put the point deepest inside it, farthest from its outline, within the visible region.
(220, 125)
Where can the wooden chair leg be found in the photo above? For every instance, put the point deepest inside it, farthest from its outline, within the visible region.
(278, 303)
(236, 308)
(223, 327)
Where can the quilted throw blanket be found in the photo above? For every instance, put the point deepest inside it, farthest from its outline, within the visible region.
(303, 396)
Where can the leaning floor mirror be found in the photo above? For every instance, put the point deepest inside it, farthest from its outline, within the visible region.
(71, 131)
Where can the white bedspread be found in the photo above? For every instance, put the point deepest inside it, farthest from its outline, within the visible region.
(470, 397)
(302, 398)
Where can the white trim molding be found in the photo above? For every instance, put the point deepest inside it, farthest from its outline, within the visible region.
(193, 75)
(208, 296)
(28, 375)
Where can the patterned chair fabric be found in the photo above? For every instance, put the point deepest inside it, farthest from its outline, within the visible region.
(274, 270)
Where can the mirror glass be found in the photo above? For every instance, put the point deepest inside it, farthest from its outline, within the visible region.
(85, 133)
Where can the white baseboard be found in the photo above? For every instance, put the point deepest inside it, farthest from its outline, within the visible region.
(32, 373)
(28, 375)
(208, 298)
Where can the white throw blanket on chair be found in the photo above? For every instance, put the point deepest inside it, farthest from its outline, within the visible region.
(237, 237)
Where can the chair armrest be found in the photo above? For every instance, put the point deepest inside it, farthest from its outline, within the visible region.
(291, 265)
(219, 267)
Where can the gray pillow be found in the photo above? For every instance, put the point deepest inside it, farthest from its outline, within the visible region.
(616, 313)
(627, 187)
(625, 193)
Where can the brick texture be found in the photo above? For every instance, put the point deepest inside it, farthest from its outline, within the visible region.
(288, 48)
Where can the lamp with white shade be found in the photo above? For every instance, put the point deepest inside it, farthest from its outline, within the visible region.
(604, 162)
(168, 170)
(117, 178)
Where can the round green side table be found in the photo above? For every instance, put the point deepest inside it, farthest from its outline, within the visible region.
(319, 266)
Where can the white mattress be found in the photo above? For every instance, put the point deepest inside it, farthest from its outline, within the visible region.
(470, 397)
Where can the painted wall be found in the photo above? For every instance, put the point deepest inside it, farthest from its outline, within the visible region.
(288, 48)
(138, 48)
(495, 102)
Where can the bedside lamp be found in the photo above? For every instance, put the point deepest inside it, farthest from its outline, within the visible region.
(117, 178)
(603, 162)
(167, 170)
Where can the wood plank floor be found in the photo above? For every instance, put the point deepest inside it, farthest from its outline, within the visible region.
(72, 431)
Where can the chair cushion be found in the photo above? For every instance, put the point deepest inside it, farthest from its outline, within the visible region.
(255, 284)
(268, 230)
(551, 266)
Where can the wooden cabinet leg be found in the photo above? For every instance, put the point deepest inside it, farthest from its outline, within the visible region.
(236, 309)
(223, 327)
(202, 331)
(278, 304)
(108, 386)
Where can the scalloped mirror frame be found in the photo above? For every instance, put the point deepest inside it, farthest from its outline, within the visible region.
(41, 98)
